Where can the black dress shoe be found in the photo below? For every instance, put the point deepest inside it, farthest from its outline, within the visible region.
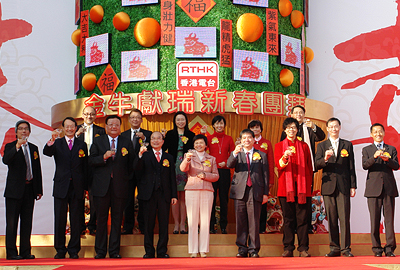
(287, 253)
(59, 255)
(14, 258)
(74, 256)
(165, 256)
(333, 254)
(241, 254)
(184, 232)
(127, 232)
(83, 232)
(254, 255)
(99, 256)
(378, 254)
(304, 253)
(223, 231)
(29, 257)
(389, 254)
(115, 256)
(213, 231)
(175, 232)
(148, 256)
(347, 254)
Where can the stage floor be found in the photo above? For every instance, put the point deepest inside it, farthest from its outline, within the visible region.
(355, 263)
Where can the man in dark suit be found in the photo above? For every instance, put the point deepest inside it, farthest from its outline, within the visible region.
(23, 186)
(335, 157)
(157, 190)
(138, 136)
(250, 187)
(86, 132)
(380, 160)
(112, 158)
(70, 156)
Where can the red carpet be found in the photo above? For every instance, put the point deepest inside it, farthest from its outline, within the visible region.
(360, 262)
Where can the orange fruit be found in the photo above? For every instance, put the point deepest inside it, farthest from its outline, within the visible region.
(96, 13)
(76, 37)
(297, 18)
(308, 54)
(285, 7)
(249, 27)
(147, 32)
(121, 21)
(89, 81)
(286, 77)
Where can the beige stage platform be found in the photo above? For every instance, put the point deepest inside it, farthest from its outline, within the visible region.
(220, 245)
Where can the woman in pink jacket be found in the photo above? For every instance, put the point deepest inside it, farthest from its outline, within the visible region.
(202, 171)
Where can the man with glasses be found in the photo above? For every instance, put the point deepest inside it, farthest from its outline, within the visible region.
(138, 136)
(87, 132)
(380, 159)
(70, 156)
(335, 157)
(23, 187)
(112, 158)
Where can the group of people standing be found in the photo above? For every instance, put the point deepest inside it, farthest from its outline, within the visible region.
(186, 172)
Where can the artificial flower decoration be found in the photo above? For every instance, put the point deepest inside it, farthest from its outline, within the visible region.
(207, 163)
(386, 154)
(293, 149)
(344, 153)
(141, 141)
(97, 135)
(256, 156)
(184, 139)
(35, 155)
(299, 138)
(165, 163)
(81, 153)
(264, 146)
(214, 140)
(124, 151)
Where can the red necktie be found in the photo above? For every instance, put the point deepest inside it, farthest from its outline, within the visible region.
(248, 168)
(158, 156)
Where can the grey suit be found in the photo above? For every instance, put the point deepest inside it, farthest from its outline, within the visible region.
(338, 177)
(248, 200)
(381, 189)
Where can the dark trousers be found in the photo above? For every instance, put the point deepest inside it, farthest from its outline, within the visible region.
(19, 209)
(263, 217)
(338, 207)
(103, 204)
(91, 225)
(375, 207)
(223, 184)
(295, 217)
(156, 206)
(73, 202)
(248, 222)
(129, 212)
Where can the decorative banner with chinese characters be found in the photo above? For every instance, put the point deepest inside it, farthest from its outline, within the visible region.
(302, 64)
(196, 42)
(196, 9)
(272, 31)
(167, 22)
(219, 101)
(226, 43)
(108, 81)
(84, 31)
(137, 2)
(197, 75)
(97, 50)
(77, 77)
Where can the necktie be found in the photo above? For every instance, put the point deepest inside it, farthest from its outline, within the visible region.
(335, 148)
(113, 146)
(28, 165)
(87, 136)
(158, 156)
(70, 144)
(135, 139)
(380, 146)
(248, 168)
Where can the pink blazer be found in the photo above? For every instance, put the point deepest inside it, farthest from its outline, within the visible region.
(208, 165)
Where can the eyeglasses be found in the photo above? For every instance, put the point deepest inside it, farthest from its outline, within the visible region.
(291, 128)
(23, 129)
(135, 118)
(89, 114)
(114, 125)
